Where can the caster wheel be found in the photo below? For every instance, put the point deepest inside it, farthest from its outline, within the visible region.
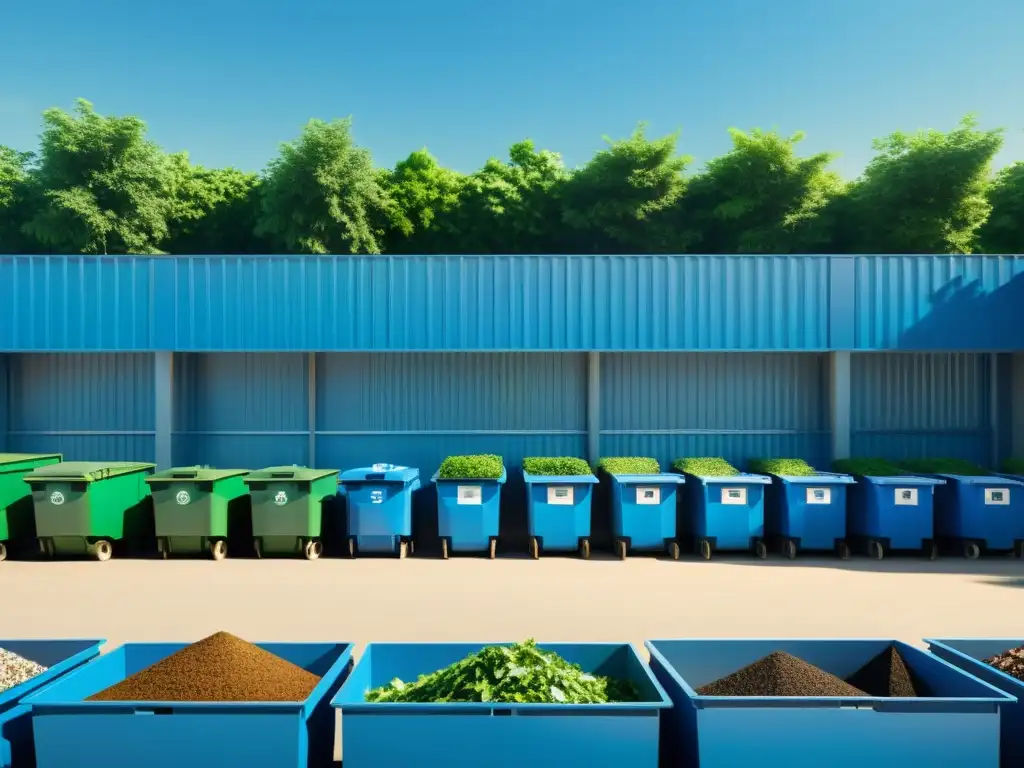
(403, 550)
(875, 550)
(621, 549)
(843, 551)
(493, 550)
(761, 550)
(673, 550)
(444, 549)
(585, 549)
(3, 551)
(971, 550)
(789, 549)
(1018, 549)
(314, 549)
(933, 551)
(412, 547)
(103, 550)
(534, 549)
(705, 549)
(352, 548)
(218, 549)
(257, 546)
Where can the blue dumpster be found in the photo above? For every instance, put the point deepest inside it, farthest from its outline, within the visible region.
(380, 508)
(558, 513)
(469, 735)
(807, 512)
(59, 657)
(969, 655)
(468, 514)
(892, 513)
(644, 512)
(725, 514)
(70, 731)
(957, 725)
(980, 513)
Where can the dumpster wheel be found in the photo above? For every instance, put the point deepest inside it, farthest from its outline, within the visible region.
(102, 550)
(218, 549)
(493, 549)
(843, 550)
(673, 550)
(534, 548)
(257, 546)
(789, 549)
(933, 550)
(585, 549)
(403, 549)
(444, 549)
(351, 547)
(761, 550)
(621, 549)
(971, 550)
(3, 551)
(875, 549)
(705, 549)
(314, 548)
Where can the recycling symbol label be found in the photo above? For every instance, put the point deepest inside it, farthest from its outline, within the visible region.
(57, 498)
(183, 498)
(281, 498)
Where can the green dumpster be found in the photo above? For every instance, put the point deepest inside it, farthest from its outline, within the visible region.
(84, 507)
(192, 507)
(17, 522)
(287, 509)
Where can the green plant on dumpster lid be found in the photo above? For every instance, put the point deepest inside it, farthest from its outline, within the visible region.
(705, 467)
(784, 467)
(943, 467)
(867, 467)
(629, 465)
(1014, 466)
(478, 467)
(560, 466)
(519, 674)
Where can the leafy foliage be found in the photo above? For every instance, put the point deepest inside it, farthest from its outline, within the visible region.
(705, 467)
(783, 467)
(478, 467)
(944, 466)
(867, 467)
(1014, 466)
(17, 197)
(1003, 232)
(629, 465)
(516, 674)
(555, 466)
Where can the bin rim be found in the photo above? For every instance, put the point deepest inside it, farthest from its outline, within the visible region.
(902, 479)
(392, 473)
(818, 478)
(43, 679)
(663, 701)
(656, 478)
(743, 478)
(16, 458)
(1011, 642)
(822, 702)
(202, 475)
(993, 479)
(299, 474)
(589, 479)
(500, 480)
(1009, 476)
(85, 471)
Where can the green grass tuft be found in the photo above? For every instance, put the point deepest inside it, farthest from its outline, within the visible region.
(867, 467)
(555, 465)
(786, 467)
(705, 467)
(478, 467)
(944, 467)
(1014, 466)
(630, 465)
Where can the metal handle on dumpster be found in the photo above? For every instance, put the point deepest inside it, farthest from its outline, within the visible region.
(184, 475)
(282, 475)
(375, 476)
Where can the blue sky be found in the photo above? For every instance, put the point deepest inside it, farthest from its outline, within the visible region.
(229, 80)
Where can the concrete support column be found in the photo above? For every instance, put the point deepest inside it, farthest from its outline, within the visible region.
(594, 407)
(839, 403)
(163, 391)
(311, 404)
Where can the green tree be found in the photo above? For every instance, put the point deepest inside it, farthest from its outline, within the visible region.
(924, 192)
(426, 195)
(17, 200)
(1004, 230)
(105, 188)
(323, 195)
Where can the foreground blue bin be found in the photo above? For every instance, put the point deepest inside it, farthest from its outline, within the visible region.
(60, 657)
(968, 655)
(70, 731)
(380, 508)
(558, 513)
(807, 512)
(397, 735)
(468, 514)
(892, 513)
(725, 514)
(644, 513)
(980, 514)
(957, 726)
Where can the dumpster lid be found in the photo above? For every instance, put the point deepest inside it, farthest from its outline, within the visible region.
(904, 480)
(742, 478)
(194, 474)
(18, 458)
(499, 480)
(85, 471)
(818, 478)
(657, 478)
(977, 479)
(381, 473)
(588, 479)
(292, 473)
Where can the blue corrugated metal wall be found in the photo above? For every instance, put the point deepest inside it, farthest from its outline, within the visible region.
(738, 406)
(86, 406)
(922, 405)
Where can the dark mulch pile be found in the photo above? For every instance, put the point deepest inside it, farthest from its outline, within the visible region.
(887, 675)
(780, 674)
(1011, 662)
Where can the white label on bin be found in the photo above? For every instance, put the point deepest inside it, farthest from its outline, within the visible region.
(471, 494)
(819, 495)
(997, 496)
(734, 496)
(183, 498)
(281, 498)
(56, 498)
(560, 494)
(905, 497)
(648, 495)
(376, 497)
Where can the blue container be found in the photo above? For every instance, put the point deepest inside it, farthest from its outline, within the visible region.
(957, 726)
(968, 655)
(380, 508)
(59, 657)
(644, 512)
(726, 514)
(558, 513)
(892, 513)
(980, 513)
(808, 512)
(70, 731)
(468, 514)
(395, 735)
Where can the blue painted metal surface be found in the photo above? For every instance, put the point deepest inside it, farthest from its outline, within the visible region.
(644, 511)
(809, 511)
(59, 657)
(898, 512)
(985, 510)
(969, 654)
(380, 506)
(197, 734)
(725, 513)
(957, 725)
(393, 735)
(5, 406)
(558, 511)
(462, 530)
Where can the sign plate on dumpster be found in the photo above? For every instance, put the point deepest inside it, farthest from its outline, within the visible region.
(735, 496)
(819, 495)
(183, 498)
(648, 495)
(376, 497)
(56, 498)
(281, 498)
(470, 494)
(906, 497)
(560, 494)
(997, 496)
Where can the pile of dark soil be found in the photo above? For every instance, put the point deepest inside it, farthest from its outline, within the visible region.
(887, 675)
(780, 674)
(1011, 662)
(220, 667)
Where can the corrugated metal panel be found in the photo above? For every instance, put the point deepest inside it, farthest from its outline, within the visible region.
(921, 405)
(241, 410)
(4, 405)
(738, 406)
(939, 302)
(90, 407)
(1017, 407)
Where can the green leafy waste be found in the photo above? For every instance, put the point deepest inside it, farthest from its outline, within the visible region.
(944, 467)
(478, 467)
(1014, 466)
(560, 466)
(629, 465)
(868, 467)
(515, 674)
(705, 467)
(783, 467)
